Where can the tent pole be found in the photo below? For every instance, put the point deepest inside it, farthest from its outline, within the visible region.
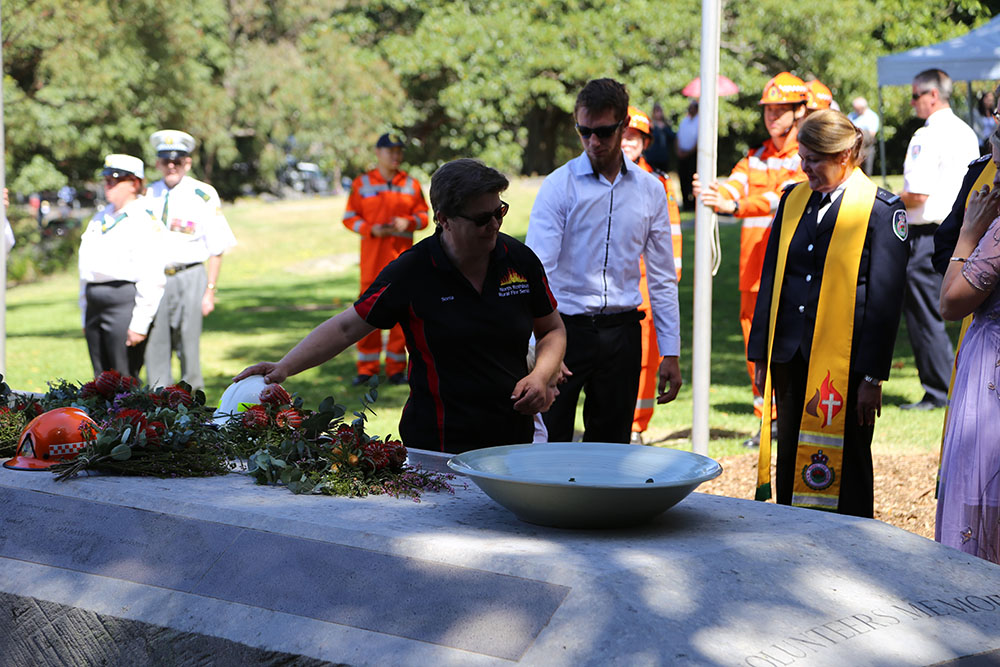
(881, 139)
(971, 98)
(705, 221)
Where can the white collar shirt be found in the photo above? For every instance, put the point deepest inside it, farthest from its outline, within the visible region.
(687, 133)
(127, 246)
(589, 234)
(834, 196)
(936, 162)
(191, 212)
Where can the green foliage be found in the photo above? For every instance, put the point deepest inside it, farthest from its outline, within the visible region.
(41, 251)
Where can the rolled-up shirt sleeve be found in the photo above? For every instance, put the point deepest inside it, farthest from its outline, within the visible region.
(661, 277)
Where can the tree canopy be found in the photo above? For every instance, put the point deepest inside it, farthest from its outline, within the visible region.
(260, 82)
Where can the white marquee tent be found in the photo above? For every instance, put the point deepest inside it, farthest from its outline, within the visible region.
(974, 56)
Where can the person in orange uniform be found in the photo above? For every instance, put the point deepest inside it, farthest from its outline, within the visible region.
(818, 96)
(635, 140)
(385, 207)
(753, 190)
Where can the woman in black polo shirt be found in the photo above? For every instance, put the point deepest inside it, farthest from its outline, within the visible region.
(468, 299)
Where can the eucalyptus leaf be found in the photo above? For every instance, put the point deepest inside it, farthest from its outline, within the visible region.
(121, 453)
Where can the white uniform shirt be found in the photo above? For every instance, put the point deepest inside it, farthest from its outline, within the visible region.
(191, 213)
(589, 234)
(8, 235)
(867, 120)
(125, 246)
(687, 133)
(936, 162)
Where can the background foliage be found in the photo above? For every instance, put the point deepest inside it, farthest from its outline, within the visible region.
(258, 82)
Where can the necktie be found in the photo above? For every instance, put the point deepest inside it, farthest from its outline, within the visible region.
(166, 199)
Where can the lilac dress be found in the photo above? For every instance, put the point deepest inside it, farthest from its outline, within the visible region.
(968, 510)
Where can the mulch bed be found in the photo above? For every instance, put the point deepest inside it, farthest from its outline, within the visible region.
(904, 487)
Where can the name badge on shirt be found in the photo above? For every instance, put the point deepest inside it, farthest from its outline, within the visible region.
(182, 226)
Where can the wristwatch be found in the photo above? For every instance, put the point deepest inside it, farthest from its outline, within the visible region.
(870, 380)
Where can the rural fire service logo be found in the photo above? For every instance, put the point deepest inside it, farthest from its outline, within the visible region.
(826, 403)
(899, 226)
(818, 475)
(513, 283)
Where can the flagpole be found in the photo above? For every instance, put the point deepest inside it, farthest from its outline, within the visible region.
(705, 221)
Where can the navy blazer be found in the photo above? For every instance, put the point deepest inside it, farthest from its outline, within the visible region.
(878, 302)
(946, 235)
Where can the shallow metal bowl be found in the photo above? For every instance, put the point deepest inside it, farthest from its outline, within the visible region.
(585, 484)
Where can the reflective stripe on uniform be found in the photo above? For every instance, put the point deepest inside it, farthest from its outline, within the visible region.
(362, 356)
(760, 221)
(395, 356)
(349, 214)
(645, 404)
(733, 192)
(357, 226)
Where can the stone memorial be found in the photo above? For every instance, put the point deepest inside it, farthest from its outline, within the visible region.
(116, 570)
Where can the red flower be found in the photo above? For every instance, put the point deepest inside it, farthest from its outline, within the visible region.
(129, 383)
(397, 455)
(175, 395)
(275, 394)
(89, 390)
(379, 454)
(255, 417)
(289, 417)
(108, 382)
(136, 418)
(154, 433)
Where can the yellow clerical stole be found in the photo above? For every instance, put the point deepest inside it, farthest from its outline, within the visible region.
(819, 454)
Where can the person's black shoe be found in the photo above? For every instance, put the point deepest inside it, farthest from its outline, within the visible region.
(923, 404)
(397, 378)
(360, 380)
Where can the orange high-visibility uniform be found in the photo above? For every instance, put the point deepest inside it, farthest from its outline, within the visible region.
(373, 201)
(755, 184)
(649, 375)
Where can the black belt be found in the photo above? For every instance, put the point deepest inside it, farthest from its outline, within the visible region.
(604, 321)
(177, 268)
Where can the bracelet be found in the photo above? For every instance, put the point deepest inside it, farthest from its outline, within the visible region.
(211, 286)
(870, 380)
(958, 259)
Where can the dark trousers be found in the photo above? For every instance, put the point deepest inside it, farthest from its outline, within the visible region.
(109, 311)
(857, 480)
(933, 350)
(686, 167)
(605, 362)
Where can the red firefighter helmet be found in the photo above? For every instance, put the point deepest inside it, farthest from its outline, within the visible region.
(818, 96)
(785, 88)
(53, 437)
(639, 121)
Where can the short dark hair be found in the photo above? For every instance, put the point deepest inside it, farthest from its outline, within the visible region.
(601, 95)
(935, 79)
(458, 181)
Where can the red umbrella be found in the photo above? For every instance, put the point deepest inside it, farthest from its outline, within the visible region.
(726, 87)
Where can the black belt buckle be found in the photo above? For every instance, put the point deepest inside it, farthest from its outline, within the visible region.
(174, 269)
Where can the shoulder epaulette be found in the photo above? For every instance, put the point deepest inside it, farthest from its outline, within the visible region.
(982, 158)
(201, 193)
(886, 196)
(789, 186)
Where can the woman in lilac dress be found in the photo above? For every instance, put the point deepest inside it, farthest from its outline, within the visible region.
(968, 511)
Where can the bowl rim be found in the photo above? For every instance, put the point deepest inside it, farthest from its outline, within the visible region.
(458, 465)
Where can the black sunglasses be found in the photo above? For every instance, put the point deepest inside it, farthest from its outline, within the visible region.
(483, 219)
(602, 132)
(917, 96)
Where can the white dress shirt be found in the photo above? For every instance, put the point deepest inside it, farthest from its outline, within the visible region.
(687, 133)
(191, 212)
(867, 120)
(936, 161)
(589, 234)
(127, 245)
(8, 235)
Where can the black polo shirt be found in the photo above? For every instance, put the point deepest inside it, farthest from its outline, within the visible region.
(467, 350)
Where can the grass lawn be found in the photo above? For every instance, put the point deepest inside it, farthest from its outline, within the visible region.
(296, 265)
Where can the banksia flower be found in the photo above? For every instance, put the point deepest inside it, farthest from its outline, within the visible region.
(108, 383)
(275, 394)
(255, 417)
(289, 417)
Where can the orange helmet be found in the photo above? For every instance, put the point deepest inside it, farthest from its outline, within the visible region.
(640, 121)
(53, 437)
(785, 88)
(818, 96)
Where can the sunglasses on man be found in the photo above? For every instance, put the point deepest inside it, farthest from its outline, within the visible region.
(483, 219)
(602, 131)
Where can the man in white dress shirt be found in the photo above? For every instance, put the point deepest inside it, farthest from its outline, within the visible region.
(935, 165)
(191, 213)
(592, 219)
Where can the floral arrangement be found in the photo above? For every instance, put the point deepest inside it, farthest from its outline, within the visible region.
(170, 432)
